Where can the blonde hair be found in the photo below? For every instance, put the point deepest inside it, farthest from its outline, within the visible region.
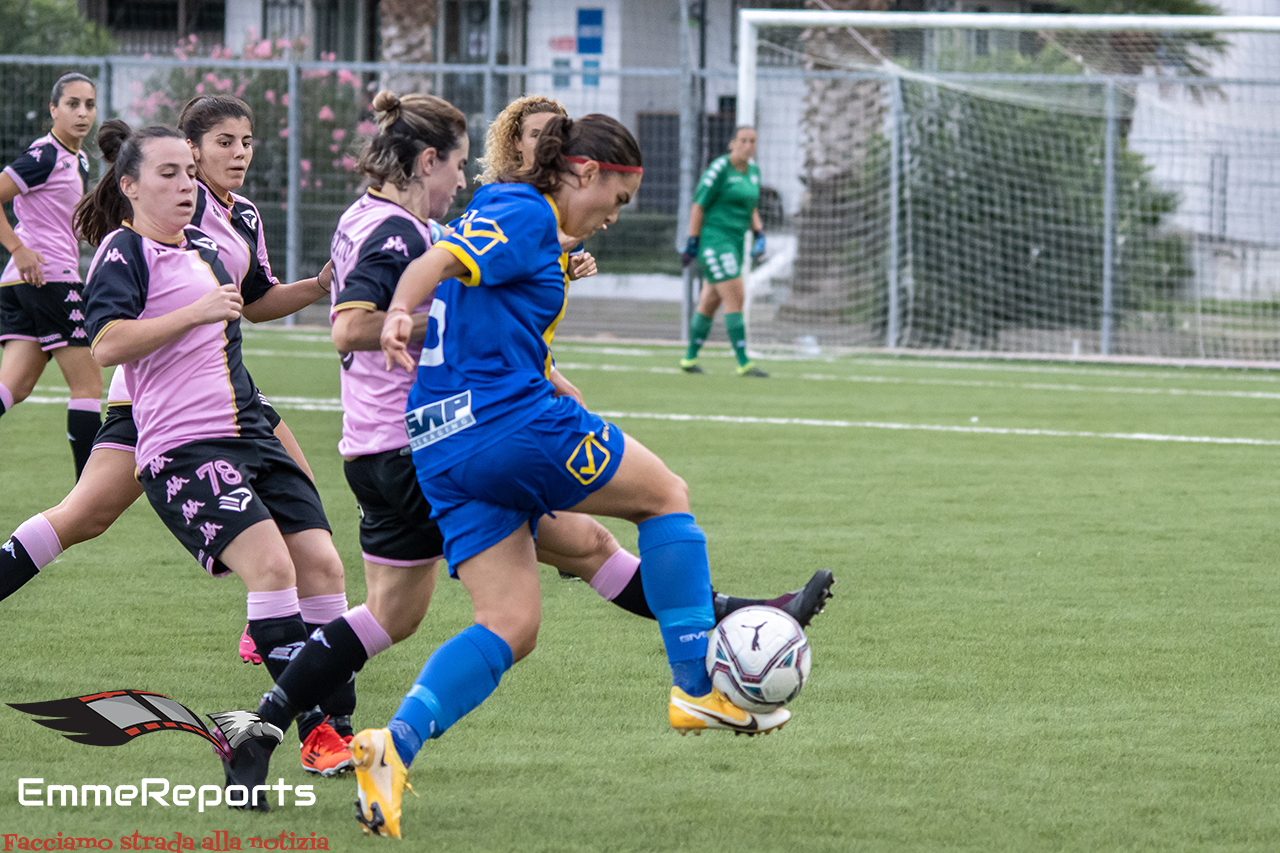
(407, 126)
(501, 157)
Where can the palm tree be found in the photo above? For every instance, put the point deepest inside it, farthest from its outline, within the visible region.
(408, 32)
(842, 125)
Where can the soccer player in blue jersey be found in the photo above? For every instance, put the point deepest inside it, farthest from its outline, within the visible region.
(496, 449)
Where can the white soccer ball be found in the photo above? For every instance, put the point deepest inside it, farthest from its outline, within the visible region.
(758, 657)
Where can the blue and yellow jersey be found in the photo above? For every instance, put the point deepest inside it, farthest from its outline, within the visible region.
(486, 360)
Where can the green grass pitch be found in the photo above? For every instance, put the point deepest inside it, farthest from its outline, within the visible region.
(1055, 624)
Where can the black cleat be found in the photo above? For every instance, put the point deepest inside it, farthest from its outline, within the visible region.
(808, 602)
(248, 767)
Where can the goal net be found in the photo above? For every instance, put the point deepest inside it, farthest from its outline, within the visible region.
(1052, 184)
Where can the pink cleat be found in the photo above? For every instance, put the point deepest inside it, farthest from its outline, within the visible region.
(248, 650)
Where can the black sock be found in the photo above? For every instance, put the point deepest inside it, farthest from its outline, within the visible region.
(342, 725)
(16, 566)
(325, 664)
(632, 598)
(278, 641)
(82, 428)
(341, 703)
(723, 605)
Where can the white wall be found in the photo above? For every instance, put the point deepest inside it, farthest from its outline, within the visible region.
(551, 22)
(1221, 155)
(241, 17)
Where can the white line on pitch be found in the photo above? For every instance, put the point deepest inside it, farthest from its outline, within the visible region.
(333, 404)
(966, 383)
(1052, 433)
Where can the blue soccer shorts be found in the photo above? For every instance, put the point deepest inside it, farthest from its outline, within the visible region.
(552, 463)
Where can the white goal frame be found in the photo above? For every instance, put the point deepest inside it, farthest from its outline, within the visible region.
(750, 21)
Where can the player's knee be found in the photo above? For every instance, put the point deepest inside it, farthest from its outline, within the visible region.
(318, 565)
(518, 626)
(601, 542)
(400, 619)
(21, 389)
(266, 572)
(672, 495)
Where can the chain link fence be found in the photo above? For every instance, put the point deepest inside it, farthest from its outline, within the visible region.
(870, 242)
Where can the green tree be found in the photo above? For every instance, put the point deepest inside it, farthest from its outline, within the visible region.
(50, 28)
(1006, 213)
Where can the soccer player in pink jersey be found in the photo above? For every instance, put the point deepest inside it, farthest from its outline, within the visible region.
(108, 486)
(161, 302)
(41, 307)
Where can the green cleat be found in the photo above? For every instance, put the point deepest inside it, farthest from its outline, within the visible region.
(690, 365)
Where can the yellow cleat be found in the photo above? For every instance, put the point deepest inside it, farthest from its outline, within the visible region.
(381, 778)
(714, 711)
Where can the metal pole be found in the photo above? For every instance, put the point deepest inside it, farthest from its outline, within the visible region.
(895, 154)
(748, 39)
(684, 195)
(1109, 221)
(104, 87)
(491, 65)
(293, 197)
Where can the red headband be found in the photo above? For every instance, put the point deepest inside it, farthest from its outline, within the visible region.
(608, 167)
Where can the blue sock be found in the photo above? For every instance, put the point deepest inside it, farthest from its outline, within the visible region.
(458, 676)
(677, 587)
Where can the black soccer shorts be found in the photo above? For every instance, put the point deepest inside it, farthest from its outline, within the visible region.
(396, 528)
(209, 492)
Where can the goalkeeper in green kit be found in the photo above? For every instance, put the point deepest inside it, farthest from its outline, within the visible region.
(724, 207)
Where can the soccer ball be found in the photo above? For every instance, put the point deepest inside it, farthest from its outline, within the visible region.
(758, 657)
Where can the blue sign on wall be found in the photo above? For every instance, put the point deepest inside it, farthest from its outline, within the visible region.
(591, 31)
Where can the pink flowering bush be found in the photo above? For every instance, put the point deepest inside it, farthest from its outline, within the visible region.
(333, 111)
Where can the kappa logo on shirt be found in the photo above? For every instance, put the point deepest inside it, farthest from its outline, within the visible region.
(35, 154)
(396, 244)
(72, 296)
(114, 255)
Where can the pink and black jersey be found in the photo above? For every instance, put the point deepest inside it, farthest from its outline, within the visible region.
(241, 245)
(375, 240)
(195, 387)
(51, 180)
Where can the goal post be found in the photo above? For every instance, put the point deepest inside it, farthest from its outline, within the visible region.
(1048, 184)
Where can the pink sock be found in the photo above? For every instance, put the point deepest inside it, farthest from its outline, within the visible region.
(86, 404)
(6, 397)
(38, 538)
(372, 636)
(275, 604)
(322, 609)
(612, 578)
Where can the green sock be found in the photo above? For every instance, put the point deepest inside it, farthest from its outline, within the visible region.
(737, 336)
(699, 328)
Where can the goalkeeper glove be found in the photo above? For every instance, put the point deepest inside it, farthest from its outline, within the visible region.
(757, 248)
(690, 252)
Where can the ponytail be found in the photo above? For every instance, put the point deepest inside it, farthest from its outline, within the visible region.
(564, 141)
